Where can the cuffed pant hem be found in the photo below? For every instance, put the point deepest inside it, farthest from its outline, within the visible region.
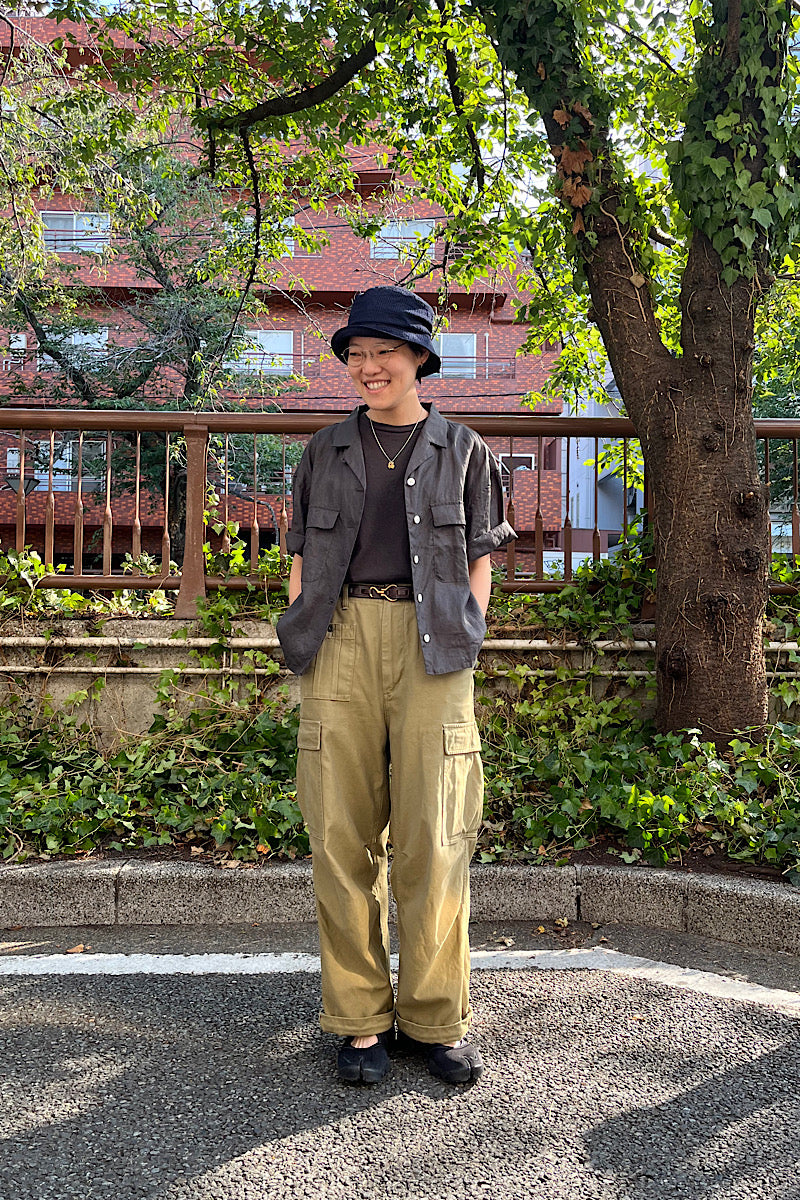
(435, 1033)
(357, 1026)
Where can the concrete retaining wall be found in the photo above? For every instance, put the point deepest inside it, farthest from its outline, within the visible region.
(743, 911)
(60, 658)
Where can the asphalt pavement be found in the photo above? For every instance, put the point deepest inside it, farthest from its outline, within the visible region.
(607, 1077)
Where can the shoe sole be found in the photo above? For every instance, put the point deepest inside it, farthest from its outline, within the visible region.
(407, 1045)
(468, 1075)
(362, 1072)
(357, 1074)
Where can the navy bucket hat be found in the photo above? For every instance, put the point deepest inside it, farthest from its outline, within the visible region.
(390, 312)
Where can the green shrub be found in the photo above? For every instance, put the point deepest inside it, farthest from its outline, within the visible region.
(218, 775)
(564, 770)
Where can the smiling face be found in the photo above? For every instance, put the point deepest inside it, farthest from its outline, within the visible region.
(384, 372)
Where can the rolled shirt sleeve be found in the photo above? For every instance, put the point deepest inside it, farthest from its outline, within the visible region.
(487, 528)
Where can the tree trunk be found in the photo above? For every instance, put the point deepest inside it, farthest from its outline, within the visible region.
(692, 414)
(711, 516)
(694, 418)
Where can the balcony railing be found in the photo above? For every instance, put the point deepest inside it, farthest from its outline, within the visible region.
(86, 487)
(249, 362)
(274, 362)
(15, 362)
(475, 366)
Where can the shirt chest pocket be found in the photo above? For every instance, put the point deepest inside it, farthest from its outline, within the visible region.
(449, 530)
(320, 537)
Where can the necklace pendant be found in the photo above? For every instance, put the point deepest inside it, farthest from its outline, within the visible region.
(391, 464)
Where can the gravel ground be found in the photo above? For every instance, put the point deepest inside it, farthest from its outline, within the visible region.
(198, 1088)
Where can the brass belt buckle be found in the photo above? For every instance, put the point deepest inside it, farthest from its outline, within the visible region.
(382, 593)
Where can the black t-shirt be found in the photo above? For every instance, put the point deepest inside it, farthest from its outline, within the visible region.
(381, 553)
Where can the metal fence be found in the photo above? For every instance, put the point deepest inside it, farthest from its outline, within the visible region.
(88, 487)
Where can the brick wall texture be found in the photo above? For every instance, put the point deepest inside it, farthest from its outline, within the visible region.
(309, 296)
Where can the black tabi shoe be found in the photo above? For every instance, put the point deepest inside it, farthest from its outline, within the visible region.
(453, 1064)
(368, 1065)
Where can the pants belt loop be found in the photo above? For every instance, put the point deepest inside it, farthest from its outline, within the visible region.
(345, 595)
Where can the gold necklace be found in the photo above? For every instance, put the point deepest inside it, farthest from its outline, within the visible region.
(390, 462)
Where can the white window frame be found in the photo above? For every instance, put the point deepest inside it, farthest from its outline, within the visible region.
(262, 358)
(78, 232)
(397, 238)
(518, 465)
(65, 463)
(95, 342)
(16, 352)
(456, 366)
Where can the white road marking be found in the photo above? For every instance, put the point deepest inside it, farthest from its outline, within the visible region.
(592, 959)
(597, 959)
(157, 964)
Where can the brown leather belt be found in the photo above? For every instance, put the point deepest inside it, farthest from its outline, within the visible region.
(380, 591)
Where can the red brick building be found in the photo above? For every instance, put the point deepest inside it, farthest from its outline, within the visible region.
(306, 298)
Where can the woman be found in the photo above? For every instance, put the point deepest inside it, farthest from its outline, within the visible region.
(395, 513)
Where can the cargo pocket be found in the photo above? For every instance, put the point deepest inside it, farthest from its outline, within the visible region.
(309, 777)
(331, 674)
(462, 782)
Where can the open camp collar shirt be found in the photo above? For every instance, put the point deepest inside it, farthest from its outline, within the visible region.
(454, 512)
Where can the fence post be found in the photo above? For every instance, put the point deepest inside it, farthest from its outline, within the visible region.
(193, 576)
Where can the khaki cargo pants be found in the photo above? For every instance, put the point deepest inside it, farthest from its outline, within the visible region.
(367, 705)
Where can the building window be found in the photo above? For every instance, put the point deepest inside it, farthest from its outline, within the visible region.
(515, 462)
(65, 463)
(267, 352)
(83, 350)
(76, 232)
(397, 238)
(527, 462)
(457, 352)
(17, 349)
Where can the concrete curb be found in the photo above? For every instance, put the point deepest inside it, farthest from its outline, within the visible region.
(743, 911)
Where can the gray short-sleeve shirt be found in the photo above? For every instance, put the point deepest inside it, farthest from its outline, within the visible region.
(454, 515)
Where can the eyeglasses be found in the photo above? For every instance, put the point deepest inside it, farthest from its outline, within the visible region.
(355, 358)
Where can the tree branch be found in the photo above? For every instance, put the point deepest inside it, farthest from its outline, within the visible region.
(160, 273)
(540, 43)
(257, 220)
(734, 32)
(138, 381)
(650, 49)
(457, 96)
(188, 329)
(74, 375)
(9, 56)
(414, 276)
(294, 102)
(451, 68)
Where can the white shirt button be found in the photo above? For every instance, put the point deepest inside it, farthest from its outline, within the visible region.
(426, 637)
(416, 519)
(416, 558)
(419, 597)
(411, 481)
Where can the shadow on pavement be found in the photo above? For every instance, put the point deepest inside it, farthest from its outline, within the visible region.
(192, 1088)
